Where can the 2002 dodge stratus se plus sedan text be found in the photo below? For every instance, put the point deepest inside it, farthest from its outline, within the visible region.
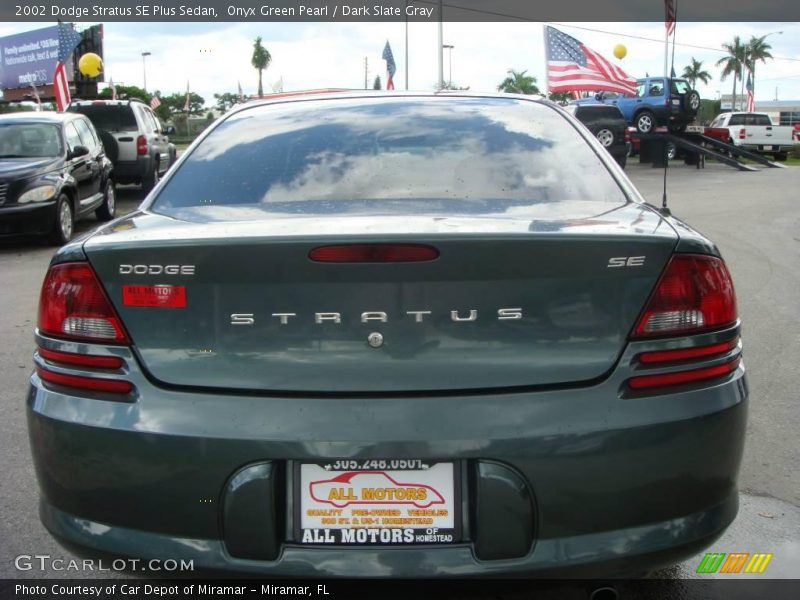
(391, 335)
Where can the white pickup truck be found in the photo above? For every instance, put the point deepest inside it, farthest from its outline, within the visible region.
(753, 131)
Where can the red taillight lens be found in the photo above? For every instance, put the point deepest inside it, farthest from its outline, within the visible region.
(666, 356)
(141, 145)
(74, 306)
(114, 386)
(742, 133)
(694, 294)
(682, 377)
(366, 253)
(627, 135)
(81, 360)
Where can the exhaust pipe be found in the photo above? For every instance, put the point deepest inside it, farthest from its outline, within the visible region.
(604, 593)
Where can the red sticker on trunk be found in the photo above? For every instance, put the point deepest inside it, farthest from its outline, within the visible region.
(156, 296)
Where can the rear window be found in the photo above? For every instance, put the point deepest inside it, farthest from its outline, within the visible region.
(390, 156)
(595, 113)
(108, 117)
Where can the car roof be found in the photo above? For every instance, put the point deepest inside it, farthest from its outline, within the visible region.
(39, 117)
(106, 102)
(366, 95)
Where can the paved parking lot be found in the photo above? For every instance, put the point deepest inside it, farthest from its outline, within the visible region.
(755, 219)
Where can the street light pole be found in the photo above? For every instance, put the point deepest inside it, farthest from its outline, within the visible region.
(440, 52)
(449, 47)
(144, 69)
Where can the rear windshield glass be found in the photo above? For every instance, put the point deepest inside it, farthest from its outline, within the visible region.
(109, 117)
(29, 140)
(389, 156)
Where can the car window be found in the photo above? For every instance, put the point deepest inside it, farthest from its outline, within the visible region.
(736, 120)
(761, 120)
(153, 121)
(23, 140)
(111, 117)
(87, 138)
(387, 157)
(656, 88)
(73, 137)
(680, 86)
(640, 87)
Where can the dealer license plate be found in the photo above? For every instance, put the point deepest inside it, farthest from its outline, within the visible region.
(768, 148)
(377, 502)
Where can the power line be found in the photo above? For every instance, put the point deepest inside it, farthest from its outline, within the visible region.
(626, 35)
(647, 39)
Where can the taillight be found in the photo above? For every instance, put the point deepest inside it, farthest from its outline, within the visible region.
(367, 253)
(627, 135)
(73, 306)
(112, 386)
(694, 294)
(681, 354)
(80, 360)
(683, 377)
(742, 133)
(141, 145)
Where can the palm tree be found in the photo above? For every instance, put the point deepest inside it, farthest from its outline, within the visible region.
(757, 50)
(260, 61)
(694, 73)
(518, 82)
(733, 64)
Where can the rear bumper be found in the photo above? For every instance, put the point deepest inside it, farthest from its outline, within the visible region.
(27, 219)
(126, 171)
(598, 484)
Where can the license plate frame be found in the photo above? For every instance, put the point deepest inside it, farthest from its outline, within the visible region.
(382, 522)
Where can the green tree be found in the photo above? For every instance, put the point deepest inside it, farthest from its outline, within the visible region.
(260, 61)
(757, 50)
(518, 82)
(172, 105)
(376, 85)
(694, 73)
(125, 92)
(733, 64)
(562, 98)
(226, 101)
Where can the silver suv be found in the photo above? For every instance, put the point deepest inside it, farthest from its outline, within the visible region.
(133, 138)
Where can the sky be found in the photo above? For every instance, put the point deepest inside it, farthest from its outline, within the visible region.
(215, 57)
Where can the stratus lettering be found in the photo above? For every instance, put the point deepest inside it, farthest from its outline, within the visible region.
(418, 316)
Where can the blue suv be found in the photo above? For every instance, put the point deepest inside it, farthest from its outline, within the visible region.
(658, 101)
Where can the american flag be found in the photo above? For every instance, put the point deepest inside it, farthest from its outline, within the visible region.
(669, 15)
(391, 68)
(155, 102)
(68, 38)
(573, 66)
(751, 99)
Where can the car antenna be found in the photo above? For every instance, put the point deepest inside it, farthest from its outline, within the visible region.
(664, 210)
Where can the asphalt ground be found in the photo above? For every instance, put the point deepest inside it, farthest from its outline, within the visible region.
(753, 217)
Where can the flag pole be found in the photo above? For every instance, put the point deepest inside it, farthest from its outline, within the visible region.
(440, 51)
(406, 45)
(546, 62)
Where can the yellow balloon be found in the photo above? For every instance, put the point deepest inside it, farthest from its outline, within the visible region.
(620, 51)
(90, 64)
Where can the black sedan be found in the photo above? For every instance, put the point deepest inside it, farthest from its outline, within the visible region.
(53, 171)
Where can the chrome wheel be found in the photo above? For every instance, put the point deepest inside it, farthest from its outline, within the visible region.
(65, 220)
(111, 199)
(644, 123)
(605, 137)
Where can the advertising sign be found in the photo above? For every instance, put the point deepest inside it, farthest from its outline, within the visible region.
(377, 502)
(27, 58)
